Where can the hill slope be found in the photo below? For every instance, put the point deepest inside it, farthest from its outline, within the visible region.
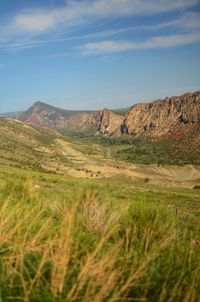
(44, 115)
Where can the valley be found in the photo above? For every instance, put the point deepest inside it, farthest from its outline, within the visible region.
(100, 151)
(80, 205)
(33, 148)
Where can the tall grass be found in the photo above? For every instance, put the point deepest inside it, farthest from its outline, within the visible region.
(89, 249)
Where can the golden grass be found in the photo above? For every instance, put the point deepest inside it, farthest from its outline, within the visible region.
(86, 249)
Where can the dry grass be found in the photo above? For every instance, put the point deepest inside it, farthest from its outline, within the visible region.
(86, 249)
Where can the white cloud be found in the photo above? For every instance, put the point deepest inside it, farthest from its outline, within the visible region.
(35, 28)
(76, 12)
(187, 23)
(156, 42)
(35, 23)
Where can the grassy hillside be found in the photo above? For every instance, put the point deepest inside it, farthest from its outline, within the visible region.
(23, 146)
(65, 239)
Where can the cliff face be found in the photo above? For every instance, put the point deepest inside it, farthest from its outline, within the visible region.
(110, 122)
(162, 117)
(104, 121)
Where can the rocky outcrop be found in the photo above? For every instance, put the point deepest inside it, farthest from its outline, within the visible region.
(163, 116)
(108, 122)
(104, 121)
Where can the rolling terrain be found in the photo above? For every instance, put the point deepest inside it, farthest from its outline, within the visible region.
(38, 149)
(95, 205)
(171, 128)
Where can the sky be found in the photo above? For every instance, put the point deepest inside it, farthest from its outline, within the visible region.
(91, 54)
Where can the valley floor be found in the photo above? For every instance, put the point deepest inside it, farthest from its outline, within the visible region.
(37, 149)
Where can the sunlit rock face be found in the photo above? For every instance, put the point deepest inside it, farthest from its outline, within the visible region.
(162, 116)
(157, 119)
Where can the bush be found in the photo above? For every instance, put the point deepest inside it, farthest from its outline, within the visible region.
(196, 187)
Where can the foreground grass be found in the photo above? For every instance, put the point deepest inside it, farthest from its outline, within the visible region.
(72, 240)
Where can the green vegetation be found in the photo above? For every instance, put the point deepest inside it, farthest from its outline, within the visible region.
(144, 150)
(36, 149)
(65, 239)
(196, 187)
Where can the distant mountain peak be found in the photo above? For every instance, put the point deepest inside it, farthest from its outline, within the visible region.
(40, 103)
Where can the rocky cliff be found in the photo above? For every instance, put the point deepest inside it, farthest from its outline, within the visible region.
(104, 121)
(163, 116)
(171, 117)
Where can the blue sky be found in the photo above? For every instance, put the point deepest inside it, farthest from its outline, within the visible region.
(90, 54)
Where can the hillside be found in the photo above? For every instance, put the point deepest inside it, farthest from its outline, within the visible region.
(44, 115)
(26, 147)
(22, 145)
(158, 119)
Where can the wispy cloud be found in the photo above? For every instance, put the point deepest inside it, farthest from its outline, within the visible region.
(187, 23)
(39, 27)
(156, 42)
(74, 12)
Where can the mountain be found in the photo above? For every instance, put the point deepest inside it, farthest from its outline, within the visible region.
(160, 119)
(44, 115)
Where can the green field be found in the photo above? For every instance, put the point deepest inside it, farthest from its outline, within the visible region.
(70, 239)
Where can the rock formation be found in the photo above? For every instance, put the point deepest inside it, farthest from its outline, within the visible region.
(158, 119)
